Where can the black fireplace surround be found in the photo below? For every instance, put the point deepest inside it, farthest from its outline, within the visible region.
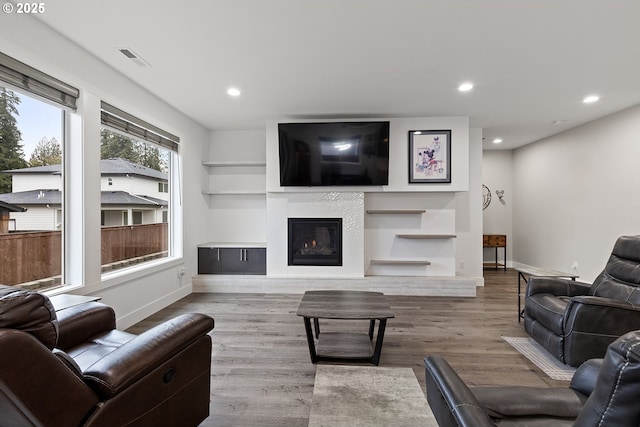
(315, 241)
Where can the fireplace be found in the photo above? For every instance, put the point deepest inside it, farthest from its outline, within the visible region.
(315, 241)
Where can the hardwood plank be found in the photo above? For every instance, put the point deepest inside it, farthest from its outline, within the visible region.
(261, 370)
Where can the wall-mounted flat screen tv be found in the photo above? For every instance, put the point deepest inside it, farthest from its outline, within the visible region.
(334, 153)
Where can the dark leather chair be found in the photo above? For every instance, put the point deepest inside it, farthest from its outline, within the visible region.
(74, 368)
(576, 321)
(602, 393)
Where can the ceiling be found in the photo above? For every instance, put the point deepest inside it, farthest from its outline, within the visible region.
(531, 61)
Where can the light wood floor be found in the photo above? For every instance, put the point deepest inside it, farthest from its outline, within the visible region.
(261, 374)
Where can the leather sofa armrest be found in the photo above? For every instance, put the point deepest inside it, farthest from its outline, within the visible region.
(598, 315)
(585, 378)
(520, 401)
(451, 401)
(556, 286)
(136, 358)
(79, 323)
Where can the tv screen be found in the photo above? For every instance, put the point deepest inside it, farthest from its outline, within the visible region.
(334, 153)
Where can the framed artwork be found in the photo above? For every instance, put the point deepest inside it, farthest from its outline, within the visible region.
(429, 156)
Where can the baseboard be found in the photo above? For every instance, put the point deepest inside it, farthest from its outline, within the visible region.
(147, 310)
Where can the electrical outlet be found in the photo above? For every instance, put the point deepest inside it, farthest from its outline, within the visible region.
(574, 265)
(461, 265)
(181, 272)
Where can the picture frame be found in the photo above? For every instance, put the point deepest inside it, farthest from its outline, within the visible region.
(429, 156)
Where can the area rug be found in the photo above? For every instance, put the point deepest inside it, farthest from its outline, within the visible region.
(368, 396)
(540, 357)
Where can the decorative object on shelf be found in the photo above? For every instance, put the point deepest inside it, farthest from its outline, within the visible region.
(429, 156)
(486, 197)
(500, 194)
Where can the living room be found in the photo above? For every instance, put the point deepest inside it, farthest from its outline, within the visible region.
(568, 179)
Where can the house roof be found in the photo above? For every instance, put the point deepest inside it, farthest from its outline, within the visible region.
(54, 197)
(117, 166)
(10, 207)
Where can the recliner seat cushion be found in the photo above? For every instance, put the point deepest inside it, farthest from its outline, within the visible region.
(87, 353)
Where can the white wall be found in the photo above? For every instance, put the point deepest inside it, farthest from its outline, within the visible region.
(27, 182)
(497, 218)
(134, 295)
(469, 214)
(576, 192)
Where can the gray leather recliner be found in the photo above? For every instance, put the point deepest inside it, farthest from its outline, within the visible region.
(602, 393)
(576, 321)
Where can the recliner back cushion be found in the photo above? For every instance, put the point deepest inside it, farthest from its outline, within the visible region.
(30, 312)
(620, 278)
(614, 401)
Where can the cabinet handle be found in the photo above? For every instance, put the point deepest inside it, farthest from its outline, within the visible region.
(218, 254)
(245, 255)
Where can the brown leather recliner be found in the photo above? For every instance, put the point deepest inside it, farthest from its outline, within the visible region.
(73, 368)
(577, 321)
(602, 393)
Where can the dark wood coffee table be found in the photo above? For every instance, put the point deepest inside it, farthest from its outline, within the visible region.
(345, 305)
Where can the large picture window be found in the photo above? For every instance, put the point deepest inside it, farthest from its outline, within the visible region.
(33, 105)
(136, 162)
(31, 191)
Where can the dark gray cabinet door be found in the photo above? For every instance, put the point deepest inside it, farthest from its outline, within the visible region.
(256, 261)
(209, 261)
(232, 260)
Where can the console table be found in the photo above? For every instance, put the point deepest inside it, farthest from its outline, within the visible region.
(495, 241)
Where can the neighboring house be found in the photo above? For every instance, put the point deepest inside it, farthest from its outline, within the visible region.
(5, 219)
(131, 194)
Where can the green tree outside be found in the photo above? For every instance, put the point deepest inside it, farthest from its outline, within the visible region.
(47, 152)
(11, 151)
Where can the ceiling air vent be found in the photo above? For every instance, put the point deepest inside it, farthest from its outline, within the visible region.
(134, 57)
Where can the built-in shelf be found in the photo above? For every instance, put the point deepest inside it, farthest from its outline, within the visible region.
(425, 236)
(399, 262)
(235, 192)
(396, 211)
(232, 163)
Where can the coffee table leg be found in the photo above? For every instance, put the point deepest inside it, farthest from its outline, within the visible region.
(316, 325)
(312, 345)
(372, 324)
(375, 359)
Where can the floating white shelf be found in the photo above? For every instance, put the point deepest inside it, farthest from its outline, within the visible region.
(233, 163)
(235, 192)
(425, 236)
(396, 211)
(399, 262)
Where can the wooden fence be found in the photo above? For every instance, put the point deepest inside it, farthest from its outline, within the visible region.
(32, 256)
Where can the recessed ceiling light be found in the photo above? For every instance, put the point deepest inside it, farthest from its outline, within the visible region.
(497, 140)
(465, 87)
(591, 99)
(233, 91)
